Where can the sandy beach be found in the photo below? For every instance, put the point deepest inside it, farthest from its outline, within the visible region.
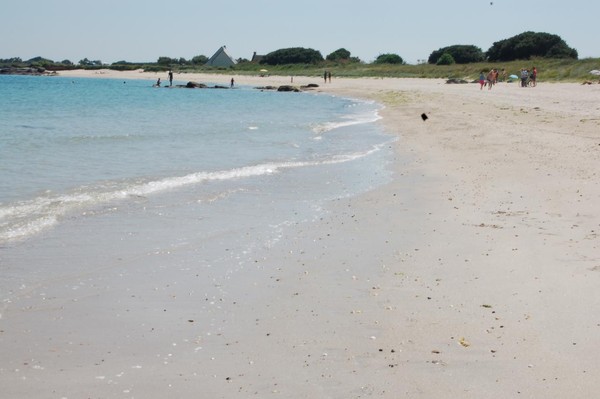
(474, 273)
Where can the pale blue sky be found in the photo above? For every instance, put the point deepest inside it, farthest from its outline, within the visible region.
(143, 30)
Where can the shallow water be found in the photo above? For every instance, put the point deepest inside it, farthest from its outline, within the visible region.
(71, 148)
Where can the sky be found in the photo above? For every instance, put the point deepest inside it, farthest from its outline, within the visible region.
(144, 30)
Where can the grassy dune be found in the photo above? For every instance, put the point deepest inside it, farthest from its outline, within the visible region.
(559, 70)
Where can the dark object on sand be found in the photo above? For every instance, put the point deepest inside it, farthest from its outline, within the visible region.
(456, 81)
(424, 117)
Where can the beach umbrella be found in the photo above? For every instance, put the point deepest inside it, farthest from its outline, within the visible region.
(595, 72)
(513, 77)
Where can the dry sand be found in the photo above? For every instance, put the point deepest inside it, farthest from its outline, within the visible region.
(509, 257)
(473, 274)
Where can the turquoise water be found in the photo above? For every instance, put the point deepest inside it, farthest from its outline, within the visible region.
(70, 148)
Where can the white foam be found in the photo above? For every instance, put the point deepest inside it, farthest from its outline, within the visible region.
(25, 229)
(27, 218)
(352, 120)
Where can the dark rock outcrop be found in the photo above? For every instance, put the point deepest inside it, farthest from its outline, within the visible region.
(291, 88)
(288, 88)
(195, 85)
(33, 71)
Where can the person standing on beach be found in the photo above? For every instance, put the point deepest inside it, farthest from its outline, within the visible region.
(524, 77)
(170, 78)
(329, 76)
(490, 79)
(232, 82)
(534, 77)
(325, 76)
(481, 80)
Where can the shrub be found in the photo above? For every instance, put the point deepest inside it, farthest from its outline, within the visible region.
(462, 54)
(530, 44)
(199, 60)
(339, 55)
(445, 59)
(293, 55)
(389, 59)
(166, 61)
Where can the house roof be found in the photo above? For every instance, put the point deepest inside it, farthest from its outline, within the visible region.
(221, 58)
(257, 58)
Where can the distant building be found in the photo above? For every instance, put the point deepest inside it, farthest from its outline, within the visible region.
(257, 58)
(221, 59)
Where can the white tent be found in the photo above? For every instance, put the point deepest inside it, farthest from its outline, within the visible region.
(221, 59)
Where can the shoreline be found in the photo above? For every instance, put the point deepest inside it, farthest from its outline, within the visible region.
(472, 274)
(183, 78)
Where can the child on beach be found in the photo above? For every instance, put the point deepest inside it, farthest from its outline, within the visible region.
(481, 80)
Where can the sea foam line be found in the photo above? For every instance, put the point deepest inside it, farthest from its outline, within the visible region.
(329, 126)
(350, 120)
(27, 218)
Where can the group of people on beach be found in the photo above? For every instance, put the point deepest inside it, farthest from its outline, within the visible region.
(528, 78)
(491, 78)
(327, 76)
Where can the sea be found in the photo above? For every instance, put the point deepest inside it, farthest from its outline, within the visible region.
(79, 156)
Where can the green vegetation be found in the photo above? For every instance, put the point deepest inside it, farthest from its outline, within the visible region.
(293, 55)
(338, 55)
(462, 54)
(389, 59)
(524, 46)
(341, 55)
(528, 45)
(86, 63)
(550, 70)
(445, 59)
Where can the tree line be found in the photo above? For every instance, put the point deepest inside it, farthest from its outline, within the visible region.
(520, 47)
(524, 46)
